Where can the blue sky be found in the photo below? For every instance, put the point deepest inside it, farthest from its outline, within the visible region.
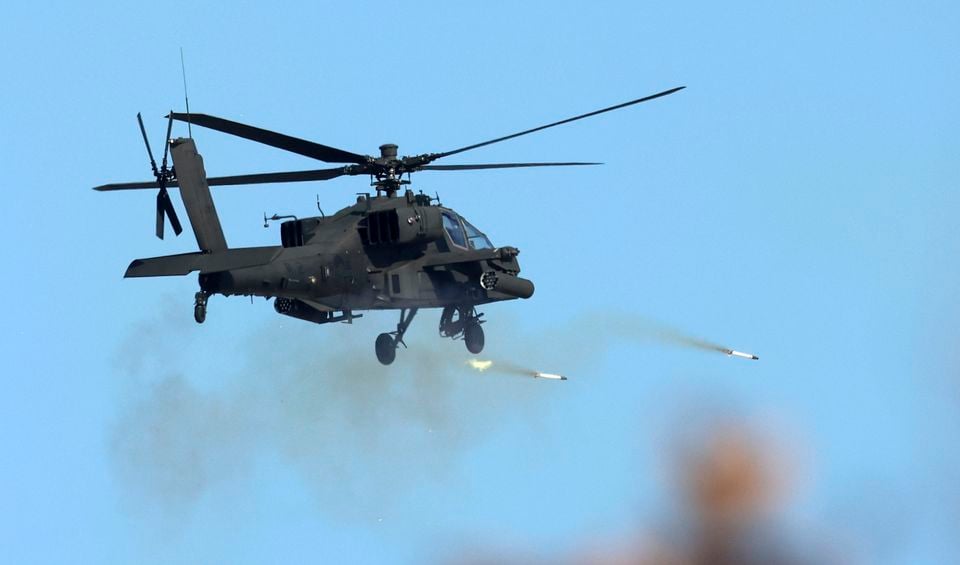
(797, 200)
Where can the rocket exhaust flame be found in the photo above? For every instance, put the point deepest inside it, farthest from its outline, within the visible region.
(479, 365)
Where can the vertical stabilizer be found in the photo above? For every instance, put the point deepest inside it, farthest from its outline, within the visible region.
(195, 193)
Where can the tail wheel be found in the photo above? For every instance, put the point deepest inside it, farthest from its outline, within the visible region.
(200, 307)
(386, 348)
(473, 337)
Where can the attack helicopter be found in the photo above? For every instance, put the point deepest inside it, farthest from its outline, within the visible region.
(388, 251)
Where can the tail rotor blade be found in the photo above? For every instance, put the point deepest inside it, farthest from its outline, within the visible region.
(172, 215)
(160, 210)
(166, 143)
(143, 131)
(165, 207)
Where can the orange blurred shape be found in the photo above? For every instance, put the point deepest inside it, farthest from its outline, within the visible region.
(731, 478)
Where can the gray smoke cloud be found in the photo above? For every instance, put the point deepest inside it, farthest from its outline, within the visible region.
(315, 399)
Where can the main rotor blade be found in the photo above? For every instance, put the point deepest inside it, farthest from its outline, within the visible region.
(291, 176)
(273, 139)
(143, 130)
(498, 166)
(561, 122)
(258, 178)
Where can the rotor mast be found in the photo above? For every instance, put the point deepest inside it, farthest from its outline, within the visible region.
(389, 173)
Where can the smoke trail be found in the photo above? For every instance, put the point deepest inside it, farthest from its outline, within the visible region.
(670, 335)
(317, 400)
(581, 340)
(500, 366)
(642, 329)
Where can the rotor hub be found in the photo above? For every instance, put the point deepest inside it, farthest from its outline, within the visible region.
(388, 151)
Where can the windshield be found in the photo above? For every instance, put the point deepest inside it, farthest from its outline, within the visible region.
(475, 237)
(454, 230)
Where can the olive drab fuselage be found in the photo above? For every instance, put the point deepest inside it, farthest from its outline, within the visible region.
(380, 253)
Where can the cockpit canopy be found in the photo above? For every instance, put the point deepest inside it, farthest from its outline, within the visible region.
(462, 233)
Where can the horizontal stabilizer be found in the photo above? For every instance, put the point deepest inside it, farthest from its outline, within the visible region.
(166, 266)
(173, 265)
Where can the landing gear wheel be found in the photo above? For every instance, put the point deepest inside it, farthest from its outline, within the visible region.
(200, 307)
(387, 343)
(386, 348)
(473, 337)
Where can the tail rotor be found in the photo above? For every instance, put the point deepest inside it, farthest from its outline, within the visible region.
(163, 175)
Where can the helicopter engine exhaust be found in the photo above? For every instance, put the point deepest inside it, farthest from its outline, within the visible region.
(507, 284)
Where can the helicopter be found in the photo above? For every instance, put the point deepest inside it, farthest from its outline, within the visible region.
(388, 251)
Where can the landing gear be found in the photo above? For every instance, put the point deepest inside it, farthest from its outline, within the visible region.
(456, 322)
(386, 348)
(387, 343)
(473, 337)
(200, 307)
(463, 322)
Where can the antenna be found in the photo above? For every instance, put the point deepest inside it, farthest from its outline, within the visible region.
(275, 218)
(186, 99)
